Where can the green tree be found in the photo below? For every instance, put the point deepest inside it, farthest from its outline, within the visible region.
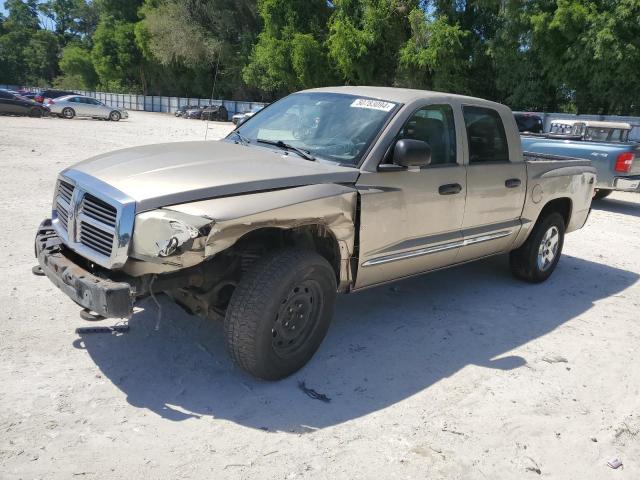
(289, 53)
(116, 56)
(27, 53)
(365, 37)
(590, 49)
(77, 68)
(196, 40)
(434, 56)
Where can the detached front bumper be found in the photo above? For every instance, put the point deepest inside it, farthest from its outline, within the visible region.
(101, 295)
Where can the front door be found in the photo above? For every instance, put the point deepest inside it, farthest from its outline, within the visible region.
(9, 103)
(411, 221)
(496, 185)
(79, 106)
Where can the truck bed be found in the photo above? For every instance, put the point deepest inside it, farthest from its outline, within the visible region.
(603, 156)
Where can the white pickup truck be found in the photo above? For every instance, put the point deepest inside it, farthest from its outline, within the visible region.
(326, 191)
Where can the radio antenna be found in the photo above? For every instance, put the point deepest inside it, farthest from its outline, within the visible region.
(213, 89)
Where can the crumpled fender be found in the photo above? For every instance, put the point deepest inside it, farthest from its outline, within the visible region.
(332, 206)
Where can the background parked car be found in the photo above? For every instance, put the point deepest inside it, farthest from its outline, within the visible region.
(77, 105)
(529, 122)
(239, 118)
(51, 94)
(215, 112)
(181, 110)
(12, 104)
(194, 112)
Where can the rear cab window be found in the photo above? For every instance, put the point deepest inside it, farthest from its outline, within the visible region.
(486, 135)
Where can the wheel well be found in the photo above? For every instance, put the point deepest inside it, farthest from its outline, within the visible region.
(562, 206)
(313, 237)
(219, 277)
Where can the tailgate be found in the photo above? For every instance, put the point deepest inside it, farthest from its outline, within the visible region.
(635, 166)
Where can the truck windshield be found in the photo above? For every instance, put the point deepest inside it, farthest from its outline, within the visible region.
(329, 126)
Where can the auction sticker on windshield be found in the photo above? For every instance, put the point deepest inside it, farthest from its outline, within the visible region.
(373, 104)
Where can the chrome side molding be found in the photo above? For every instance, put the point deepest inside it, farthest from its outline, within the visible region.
(436, 248)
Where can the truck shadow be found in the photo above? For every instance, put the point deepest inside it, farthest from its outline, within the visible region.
(386, 344)
(613, 205)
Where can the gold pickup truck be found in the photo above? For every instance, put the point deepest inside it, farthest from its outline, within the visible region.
(326, 191)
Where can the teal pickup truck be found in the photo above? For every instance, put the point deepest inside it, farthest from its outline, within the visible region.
(617, 162)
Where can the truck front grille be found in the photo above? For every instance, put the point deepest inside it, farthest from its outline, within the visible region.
(96, 224)
(93, 219)
(96, 239)
(63, 202)
(98, 210)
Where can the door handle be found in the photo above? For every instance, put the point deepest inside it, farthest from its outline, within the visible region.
(512, 183)
(450, 189)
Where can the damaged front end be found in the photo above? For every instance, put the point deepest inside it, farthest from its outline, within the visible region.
(197, 252)
(221, 238)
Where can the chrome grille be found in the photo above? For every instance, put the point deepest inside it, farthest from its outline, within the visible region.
(96, 239)
(63, 202)
(98, 210)
(93, 219)
(96, 224)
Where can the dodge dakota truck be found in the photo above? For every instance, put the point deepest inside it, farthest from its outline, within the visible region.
(325, 191)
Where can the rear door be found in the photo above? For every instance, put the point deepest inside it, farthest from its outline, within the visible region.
(410, 220)
(496, 184)
(93, 107)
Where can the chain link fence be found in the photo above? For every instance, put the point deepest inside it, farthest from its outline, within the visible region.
(152, 103)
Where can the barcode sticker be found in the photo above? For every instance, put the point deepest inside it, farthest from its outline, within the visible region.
(373, 104)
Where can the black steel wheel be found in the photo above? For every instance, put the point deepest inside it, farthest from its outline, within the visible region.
(280, 312)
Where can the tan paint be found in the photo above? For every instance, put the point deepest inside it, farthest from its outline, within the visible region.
(331, 206)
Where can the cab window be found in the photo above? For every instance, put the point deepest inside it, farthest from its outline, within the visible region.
(486, 135)
(435, 125)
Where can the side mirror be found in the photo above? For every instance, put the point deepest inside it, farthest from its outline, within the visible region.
(411, 153)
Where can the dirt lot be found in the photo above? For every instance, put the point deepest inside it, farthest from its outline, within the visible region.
(465, 373)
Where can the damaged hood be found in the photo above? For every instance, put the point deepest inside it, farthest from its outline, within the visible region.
(173, 173)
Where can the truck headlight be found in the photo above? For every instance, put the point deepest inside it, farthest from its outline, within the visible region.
(162, 233)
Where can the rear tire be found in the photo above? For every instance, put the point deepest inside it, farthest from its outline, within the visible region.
(280, 312)
(602, 193)
(36, 112)
(538, 257)
(68, 113)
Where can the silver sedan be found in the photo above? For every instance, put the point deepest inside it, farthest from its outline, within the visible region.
(80, 106)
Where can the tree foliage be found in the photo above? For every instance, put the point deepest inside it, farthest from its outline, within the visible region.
(289, 53)
(573, 55)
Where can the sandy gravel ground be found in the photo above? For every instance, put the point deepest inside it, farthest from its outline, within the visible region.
(465, 373)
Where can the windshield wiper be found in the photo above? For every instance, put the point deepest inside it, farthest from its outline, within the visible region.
(285, 146)
(243, 140)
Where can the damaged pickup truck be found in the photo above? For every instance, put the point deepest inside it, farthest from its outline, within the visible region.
(326, 191)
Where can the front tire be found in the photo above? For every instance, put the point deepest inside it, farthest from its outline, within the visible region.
(115, 116)
(602, 193)
(538, 257)
(280, 312)
(68, 113)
